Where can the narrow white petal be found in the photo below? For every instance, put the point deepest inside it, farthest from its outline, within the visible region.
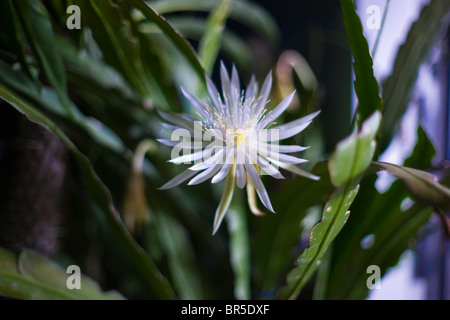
(213, 93)
(192, 145)
(229, 161)
(263, 94)
(240, 175)
(235, 89)
(252, 87)
(225, 79)
(269, 169)
(280, 148)
(285, 158)
(292, 128)
(277, 111)
(205, 175)
(262, 193)
(294, 169)
(217, 158)
(178, 119)
(188, 157)
(199, 106)
(183, 176)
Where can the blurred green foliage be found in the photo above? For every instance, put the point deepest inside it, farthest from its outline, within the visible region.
(97, 89)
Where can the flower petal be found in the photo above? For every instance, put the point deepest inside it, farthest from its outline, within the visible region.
(205, 175)
(240, 175)
(229, 161)
(179, 119)
(199, 106)
(252, 87)
(277, 111)
(225, 79)
(292, 128)
(183, 176)
(294, 169)
(269, 169)
(217, 158)
(188, 157)
(263, 95)
(262, 193)
(285, 158)
(213, 93)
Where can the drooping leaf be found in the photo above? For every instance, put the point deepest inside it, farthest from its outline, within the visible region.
(32, 276)
(140, 261)
(366, 85)
(422, 185)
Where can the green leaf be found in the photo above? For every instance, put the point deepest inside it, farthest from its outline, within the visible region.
(32, 276)
(423, 186)
(398, 87)
(334, 216)
(366, 85)
(273, 254)
(354, 154)
(380, 230)
(120, 46)
(183, 267)
(140, 261)
(180, 43)
(346, 166)
(210, 43)
(235, 48)
(250, 14)
(38, 29)
(10, 25)
(239, 251)
(225, 201)
(47, 98)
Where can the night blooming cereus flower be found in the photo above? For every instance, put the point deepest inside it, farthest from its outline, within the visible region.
(233, 140)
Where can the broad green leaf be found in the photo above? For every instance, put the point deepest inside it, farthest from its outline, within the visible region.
(32, 276)
(347, 164)
(38, 29)
(180, 43)
(354, 154)
(423, 186)
(380, 230)
(398, 87)
(276, 235)
(334, 217)
(140, 261)
(211, 41)
(248, 13)
(366, 86)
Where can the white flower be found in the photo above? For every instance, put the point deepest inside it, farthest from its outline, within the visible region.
(244, 145)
